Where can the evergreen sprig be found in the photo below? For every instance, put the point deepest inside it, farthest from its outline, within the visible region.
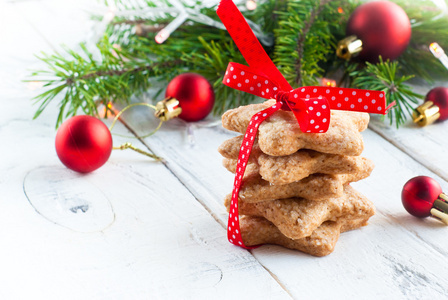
(307, 36)
(87, 82)
(385, 76)
(127, 60)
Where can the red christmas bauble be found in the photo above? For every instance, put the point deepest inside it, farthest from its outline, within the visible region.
(439, 96)
(419, 194)
(195, 95)
(383, 27)
(83, 143)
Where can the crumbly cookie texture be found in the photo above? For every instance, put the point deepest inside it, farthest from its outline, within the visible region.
(280, 134)
(316, 187)
(294, 167)
(321, 242)
(286, 169)
(297, 218)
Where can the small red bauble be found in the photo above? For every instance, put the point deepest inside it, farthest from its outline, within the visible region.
(419, 194)
(83, 143)
(195, 95)
(383, 27)
(434, 108)
(439, 97)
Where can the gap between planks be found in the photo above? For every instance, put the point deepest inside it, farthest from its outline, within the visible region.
(214, 216)
(406, 151)
(194, 193)
(217, 219)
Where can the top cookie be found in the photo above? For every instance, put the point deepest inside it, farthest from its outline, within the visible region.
(280, 134)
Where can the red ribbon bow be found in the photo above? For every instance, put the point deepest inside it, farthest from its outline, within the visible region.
(311, 105)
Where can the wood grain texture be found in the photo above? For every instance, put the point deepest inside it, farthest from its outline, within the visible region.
(160, 244)
(396, 253)
(394, 257)
(167, 237)
(427, 145)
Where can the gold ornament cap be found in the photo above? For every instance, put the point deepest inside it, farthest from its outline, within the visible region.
(439, 209)
(426, 114)
(349, 47)
(167, 109)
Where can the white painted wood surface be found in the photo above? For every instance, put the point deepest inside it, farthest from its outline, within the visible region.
(137, 229)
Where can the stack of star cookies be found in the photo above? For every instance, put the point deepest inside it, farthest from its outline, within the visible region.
(296, 191)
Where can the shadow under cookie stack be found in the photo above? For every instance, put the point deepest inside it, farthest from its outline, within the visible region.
(296, 191)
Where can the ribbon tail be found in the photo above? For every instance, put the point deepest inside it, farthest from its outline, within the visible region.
(233, 225)
(248, 44)
(389, 107)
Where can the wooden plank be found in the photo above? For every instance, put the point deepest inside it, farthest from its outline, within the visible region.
(17, 35)
(20, 43)
(395, 256)
(426, 145)
(161, 242)
(156, 241)
(58, 22)
(190, 151)
(398, 254)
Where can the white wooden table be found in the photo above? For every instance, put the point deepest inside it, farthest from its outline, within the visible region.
(137, 229)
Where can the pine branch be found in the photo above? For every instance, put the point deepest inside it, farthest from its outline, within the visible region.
(127, 61)
(302, 37)
(109, 73)
(266, 15)
(85, 82)
(384, 76)
(306, 31)
(306, 38)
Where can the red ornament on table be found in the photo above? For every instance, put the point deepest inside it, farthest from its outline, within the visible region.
(435, 107)
(195, 95)
(376, 28)
(83, 143)
(439, 97)
(422, 197)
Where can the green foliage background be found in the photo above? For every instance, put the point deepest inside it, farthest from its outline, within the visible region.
(305, 35)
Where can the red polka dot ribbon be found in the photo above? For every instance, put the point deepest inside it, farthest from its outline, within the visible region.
(311, 105)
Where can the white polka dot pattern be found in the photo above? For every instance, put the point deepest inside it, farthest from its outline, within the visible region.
(338, 98)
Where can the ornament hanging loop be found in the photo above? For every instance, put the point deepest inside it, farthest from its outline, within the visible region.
(130, 146)
(117, 117)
